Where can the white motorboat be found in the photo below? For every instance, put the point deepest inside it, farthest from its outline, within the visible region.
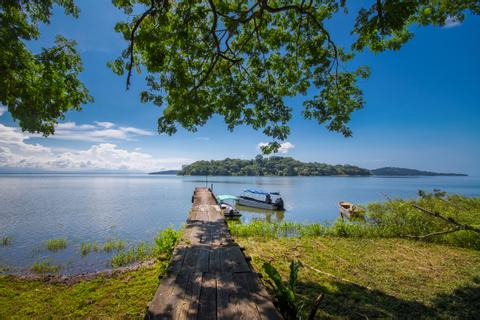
(261, 199)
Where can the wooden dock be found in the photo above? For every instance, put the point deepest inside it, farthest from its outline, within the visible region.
(209, 276)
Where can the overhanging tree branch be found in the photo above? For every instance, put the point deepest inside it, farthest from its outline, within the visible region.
(458, 226)
(132, 40)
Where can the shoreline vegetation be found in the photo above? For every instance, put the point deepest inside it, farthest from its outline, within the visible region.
(287, 166)
(381, 266)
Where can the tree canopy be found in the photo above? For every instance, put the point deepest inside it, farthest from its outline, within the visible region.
(40, 88)
(238, 59)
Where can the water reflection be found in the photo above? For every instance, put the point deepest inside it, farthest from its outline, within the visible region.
(249, 213)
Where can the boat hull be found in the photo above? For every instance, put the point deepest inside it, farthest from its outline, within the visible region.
(256, 204)
(346, 209)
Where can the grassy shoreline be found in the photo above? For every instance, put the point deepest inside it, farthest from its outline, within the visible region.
(374, 278)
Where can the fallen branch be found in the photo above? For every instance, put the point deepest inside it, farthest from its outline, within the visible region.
(334, 276)
(449, 220)
(434, 234)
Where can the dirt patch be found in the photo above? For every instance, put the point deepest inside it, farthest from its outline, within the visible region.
(73, 279)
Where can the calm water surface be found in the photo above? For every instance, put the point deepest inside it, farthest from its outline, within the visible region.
(35, 208)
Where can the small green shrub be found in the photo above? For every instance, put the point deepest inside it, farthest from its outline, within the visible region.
(6, 241)
(165, 241)
(44, 267)
(56, 244)
(285, 292)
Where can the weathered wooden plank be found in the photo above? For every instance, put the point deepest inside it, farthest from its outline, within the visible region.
(190, 260)
(202, 260)
(177, 260)
(167, 296)
(187, 308)
(214, 265)
(233, 260)
(207, 309)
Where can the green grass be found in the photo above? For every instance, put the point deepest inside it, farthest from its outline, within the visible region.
(121, 296)
(165, 242)
(6, 241)
(392, 219)
(376, 278)
(44, 267)
(56, 244)
(123, 258)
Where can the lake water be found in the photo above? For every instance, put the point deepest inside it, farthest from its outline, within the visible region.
(35, 208)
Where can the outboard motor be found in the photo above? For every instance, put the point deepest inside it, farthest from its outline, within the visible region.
(279, 204)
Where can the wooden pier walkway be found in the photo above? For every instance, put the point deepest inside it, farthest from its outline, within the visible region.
(209, 277)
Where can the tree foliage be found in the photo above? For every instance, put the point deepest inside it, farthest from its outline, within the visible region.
(38, 88)
(272, 166)
(237, 59)
(240, 59)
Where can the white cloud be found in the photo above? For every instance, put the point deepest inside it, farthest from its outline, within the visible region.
(104, 124)
(2, 110)
(284, 147)
(98, 132)
(16, 152)
(451, 22)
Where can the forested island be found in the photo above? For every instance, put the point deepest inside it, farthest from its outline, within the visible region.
(287, 166)
(392, 171)
(166, 172)
(271, 166)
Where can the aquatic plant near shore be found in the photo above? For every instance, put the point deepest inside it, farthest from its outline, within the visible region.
(44, 267)
(6, 241)
(56, 244)
(86, 248)
(113, 245)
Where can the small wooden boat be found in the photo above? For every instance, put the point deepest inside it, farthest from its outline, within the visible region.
(350, 211)
(346, 209)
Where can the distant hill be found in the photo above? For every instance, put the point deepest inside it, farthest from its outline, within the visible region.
(165, 172)
(392, 171)
(271, 166)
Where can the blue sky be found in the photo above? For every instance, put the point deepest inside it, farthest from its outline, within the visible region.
(422, 110)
